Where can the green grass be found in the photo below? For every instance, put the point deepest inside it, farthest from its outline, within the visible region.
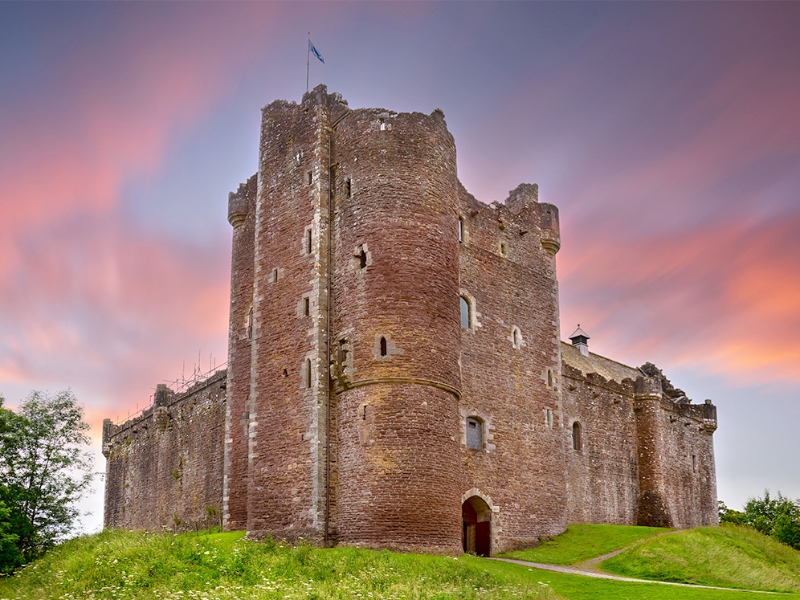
(126, 565)
(726, 556)
(582, 542)
(122, 564)
(576, 587)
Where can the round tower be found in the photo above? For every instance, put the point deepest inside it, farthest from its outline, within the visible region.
(396, 333)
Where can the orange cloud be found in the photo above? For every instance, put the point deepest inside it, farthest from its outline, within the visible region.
(723, 297)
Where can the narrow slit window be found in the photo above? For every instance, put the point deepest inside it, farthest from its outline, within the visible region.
(362, 257)
(516, 337)
(460, 230)
(308, 373)
(342, 355)
(310, 178)
(250, 324)
(474, 433)
(550, 379)
(694, 463)
(503, 248)
(274, 274)
(306, 306)
(348, 188)
(577, 442)
(384, 349)
(465, 313)
(308, 241)
(548, 418)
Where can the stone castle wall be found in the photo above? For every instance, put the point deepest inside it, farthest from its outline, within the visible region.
(164, 467)
(354, 393)
(510, 367)
(603, 473)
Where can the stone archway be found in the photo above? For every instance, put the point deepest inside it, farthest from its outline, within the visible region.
(477, 522)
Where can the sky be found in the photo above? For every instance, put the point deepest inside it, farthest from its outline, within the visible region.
(668, 134)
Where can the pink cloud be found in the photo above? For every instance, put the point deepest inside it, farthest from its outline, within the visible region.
(724, 297)
(112, 112)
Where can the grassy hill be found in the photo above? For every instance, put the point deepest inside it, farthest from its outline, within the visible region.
(582, 542)
(121, 564)
(726, 556)
(135, 565)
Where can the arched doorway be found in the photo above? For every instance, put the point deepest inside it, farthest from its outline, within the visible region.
(477, 518)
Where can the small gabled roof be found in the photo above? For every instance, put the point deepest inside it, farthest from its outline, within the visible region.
(579, 333)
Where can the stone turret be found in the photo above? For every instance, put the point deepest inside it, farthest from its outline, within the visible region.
(242, 217)
(396, 328)
(652, 506)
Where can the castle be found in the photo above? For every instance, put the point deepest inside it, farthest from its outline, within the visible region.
(395, 376)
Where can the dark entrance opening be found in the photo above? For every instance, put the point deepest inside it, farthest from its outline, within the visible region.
(477, 519)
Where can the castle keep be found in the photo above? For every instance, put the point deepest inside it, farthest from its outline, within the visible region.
(395, 375)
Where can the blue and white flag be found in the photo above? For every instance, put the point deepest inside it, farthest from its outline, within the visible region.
(315, 52)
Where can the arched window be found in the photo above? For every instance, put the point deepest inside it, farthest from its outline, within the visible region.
(577, 443)
(384, 349)
(466, 317)
(474, 433)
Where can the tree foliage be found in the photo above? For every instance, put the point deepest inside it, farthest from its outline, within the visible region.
(44, 470)
(778, 517)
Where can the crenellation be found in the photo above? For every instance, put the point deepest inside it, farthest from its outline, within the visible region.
(395, 373)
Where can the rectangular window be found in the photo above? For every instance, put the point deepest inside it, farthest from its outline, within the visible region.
(308, 241)
(342, 356)
(460, 230)
(465, 313)
(474, 434)
(306, 306)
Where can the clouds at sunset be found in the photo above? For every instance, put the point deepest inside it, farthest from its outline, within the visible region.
(667, 135)
(724, 297)
(87, 296)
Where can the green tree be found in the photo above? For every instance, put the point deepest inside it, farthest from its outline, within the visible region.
(10, 556)
(778, 517)
(729, 515)
(44, 468)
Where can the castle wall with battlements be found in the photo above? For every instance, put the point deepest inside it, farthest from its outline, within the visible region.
(164, 466)
(395, 375)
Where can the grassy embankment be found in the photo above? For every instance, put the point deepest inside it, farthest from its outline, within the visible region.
(726, 556)
(582, 542)
(120, 564)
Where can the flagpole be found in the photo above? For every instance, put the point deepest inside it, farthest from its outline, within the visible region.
(308, 57)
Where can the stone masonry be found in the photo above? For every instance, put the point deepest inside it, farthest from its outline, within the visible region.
(396, 377)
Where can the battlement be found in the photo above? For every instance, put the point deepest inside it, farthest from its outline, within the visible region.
(164, 398)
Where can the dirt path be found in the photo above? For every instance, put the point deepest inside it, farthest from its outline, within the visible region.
(590, 568)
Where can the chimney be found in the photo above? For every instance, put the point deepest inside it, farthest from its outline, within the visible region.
(579, 339)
